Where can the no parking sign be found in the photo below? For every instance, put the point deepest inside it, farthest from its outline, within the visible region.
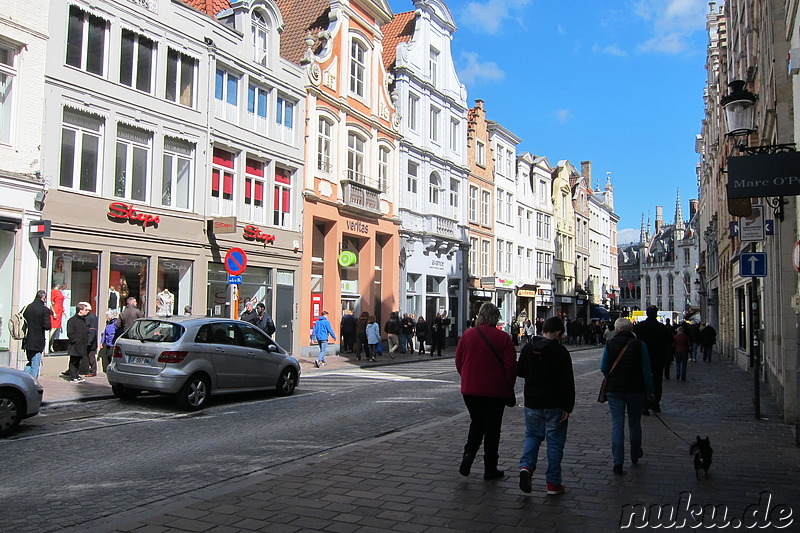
(235, 261)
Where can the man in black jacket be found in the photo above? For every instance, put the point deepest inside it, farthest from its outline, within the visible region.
(658, 339)
(546, 366)
(37, 317)
(78, 335)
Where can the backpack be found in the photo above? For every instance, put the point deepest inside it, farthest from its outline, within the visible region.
(17, 325)
(270, 325)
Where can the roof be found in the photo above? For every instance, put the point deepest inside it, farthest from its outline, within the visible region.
(301, 17)
(209, 7)
(399, 30)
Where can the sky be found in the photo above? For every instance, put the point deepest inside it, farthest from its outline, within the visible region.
(615, 82)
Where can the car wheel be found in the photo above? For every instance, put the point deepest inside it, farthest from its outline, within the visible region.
(124, 393)
(287, 382)
(194, 393)
(11, 411)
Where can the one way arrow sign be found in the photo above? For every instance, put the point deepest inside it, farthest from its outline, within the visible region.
(753, 264)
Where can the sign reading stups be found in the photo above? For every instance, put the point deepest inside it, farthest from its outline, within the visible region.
(756, 176)
(222, 225)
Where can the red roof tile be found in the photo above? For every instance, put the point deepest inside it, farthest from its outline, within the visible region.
(209, 7)
(301, 17)
(399, 30)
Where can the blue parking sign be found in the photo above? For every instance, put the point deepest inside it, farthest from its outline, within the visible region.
(753, 264)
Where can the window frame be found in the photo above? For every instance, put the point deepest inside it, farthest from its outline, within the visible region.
(134, 147)
(174, 152)
(324, 144)
(137, 63)
(259, 35)
(9, 74)
(258, 98)
(78, 152)
(283, 188)
(88, 58)
(358, 67)
(180, 66)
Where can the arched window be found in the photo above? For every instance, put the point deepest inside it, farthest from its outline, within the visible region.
(659, 290)
(258, 31)
(435, 194)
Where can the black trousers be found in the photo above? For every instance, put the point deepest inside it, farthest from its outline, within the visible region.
(437, 343)
(486, 421)
(74, 365)
(657, 368)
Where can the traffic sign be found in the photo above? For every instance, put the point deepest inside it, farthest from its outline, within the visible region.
(753, 264)
(796, 256)
(235, 261)
(234, 280)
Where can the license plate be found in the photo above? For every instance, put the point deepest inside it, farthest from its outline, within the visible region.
(140, 360)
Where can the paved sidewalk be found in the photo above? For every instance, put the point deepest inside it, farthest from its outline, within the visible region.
(409, 481)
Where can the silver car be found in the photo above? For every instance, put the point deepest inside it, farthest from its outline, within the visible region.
(20, 397)
(195, 357)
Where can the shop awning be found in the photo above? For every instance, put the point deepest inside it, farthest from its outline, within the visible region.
(598, 312)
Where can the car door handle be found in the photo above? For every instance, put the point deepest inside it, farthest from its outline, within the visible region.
(251, 353)
(220, 350)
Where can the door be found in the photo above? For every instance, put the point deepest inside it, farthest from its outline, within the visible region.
(284, 310)
(262, 365)
(228, 355)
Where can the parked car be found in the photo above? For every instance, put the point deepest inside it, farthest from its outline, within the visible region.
(195, 357)
(20, 397)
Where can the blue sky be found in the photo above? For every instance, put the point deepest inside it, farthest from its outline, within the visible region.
(615, 82)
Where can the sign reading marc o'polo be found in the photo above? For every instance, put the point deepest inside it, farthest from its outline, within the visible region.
(755, 176)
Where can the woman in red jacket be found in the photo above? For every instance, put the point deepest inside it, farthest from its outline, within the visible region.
(487, 362)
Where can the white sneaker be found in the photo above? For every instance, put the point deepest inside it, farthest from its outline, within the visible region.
(77, 380)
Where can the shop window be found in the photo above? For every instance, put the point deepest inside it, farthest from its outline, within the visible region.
(222, 172)
(132, 170)
(282, 200)
(256, 287)
(176, 184)
(86, 41)
(348, 270)
(81, 136)
(128, 276)
(218, 295)
(741, 318)
(74, 277)
(433, 284)
(254, 189)
(411, 282)
(174, 287)
(180, 78)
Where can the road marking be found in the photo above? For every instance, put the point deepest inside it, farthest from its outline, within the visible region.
(370, 374)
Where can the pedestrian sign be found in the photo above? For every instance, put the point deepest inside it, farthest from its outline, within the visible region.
(753, 264)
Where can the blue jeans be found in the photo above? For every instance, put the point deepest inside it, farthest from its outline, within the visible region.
(34, 363)
(617, 403)
(323, 347)
(541, 424)
(406, 342)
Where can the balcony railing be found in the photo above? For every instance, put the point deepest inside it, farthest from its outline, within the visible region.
(355, 195)
(363, 179)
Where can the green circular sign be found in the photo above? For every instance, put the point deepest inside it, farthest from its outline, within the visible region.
(347, 259)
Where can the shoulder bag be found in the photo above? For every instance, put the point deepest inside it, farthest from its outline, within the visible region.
(512, 401)
(601, 396)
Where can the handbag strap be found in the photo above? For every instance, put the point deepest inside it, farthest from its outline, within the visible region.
(621, 352)
(478, 329)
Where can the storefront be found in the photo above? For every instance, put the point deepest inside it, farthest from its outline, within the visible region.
(526, 301)
(433, 283)
(544, 304)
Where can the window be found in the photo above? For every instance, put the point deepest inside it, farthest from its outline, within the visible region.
(136, 61)
(177, 173)
(86, 41)
(547, 227)
(509, 208)
(686, 256)
(258, 30)
(355, 158)
(473, 256)
(254, 189)
(500, 163)
(411, 183)
(455, 191)
(358, 67)
(324, 141)
(257, 98)
(226, 95)
(222, 173)
(455, 138)
(435, 193)
(480, 153)
(132, 169)
(486, 207)
(542, 192)
(540, 225)
(499, 261)
(529, 223)
(509, 256)
(180, 78)
(284, 118)
(486, 246)
(413, 112)
(81, 134)
(540, 265)
(433, 65)
(499, 210)
(383, 169)
(434, 124)
(282, 206)
(520, 219)
(8, 75)
(473, 204)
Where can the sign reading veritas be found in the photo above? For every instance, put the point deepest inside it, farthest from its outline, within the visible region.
(756, 176)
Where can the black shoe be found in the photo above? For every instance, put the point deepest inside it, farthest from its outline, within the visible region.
(494, 474)
(618, 470)
(525, 481)
(646, 412)
(636, 458)
(65, 373)
(466, 463)
(657, 409)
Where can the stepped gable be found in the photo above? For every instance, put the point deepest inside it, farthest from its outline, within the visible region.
(399, 30)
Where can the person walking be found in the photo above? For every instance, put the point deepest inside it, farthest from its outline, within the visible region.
(373, 332)
(487, 363)
(439, 332)
(626, 366)
(347, 329)
(78, 335)
(681, 343)
(392, 329)
(407, 334)
(694, 335)
(361, 335)
(264, 322)
(38, 317)
(422, 334)
(130, 314)
(322, 330)
(109, 337)
(249, 314)
(658, 339)
(91, 344)
(514, 329)
(708, 338)
(546, 367)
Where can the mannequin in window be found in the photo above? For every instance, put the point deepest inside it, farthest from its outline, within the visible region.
(123, 289)
(59, 276)
(165, 302)
(113, 298)
(57, 308)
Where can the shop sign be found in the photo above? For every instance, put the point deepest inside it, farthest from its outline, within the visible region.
(487, 282)
(40, 228)
(437, 264)
(123, 211)
(545, 292)
(565, 299)
(253, 233)
(349, 286)
(526, 293)
(753, 176)
(222, 225)
(481, 295)
(504, 282)
(357, 226)
(347, 259)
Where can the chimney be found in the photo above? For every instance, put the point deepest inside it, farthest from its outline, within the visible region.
(659, 218)
(693, 206)
(586, 172)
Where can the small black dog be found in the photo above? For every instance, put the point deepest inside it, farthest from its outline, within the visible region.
(702, 455)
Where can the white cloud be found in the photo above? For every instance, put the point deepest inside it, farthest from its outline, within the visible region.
(476, 70)
(563, 115)
(611, 49)
(628, 235)
(672, 23)
(489, 16)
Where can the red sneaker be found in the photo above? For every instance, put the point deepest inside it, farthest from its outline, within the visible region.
(553, 489)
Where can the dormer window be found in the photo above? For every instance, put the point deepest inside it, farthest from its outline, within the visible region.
(258, 30)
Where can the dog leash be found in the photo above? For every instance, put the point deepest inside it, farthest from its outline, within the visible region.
(669, 428)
